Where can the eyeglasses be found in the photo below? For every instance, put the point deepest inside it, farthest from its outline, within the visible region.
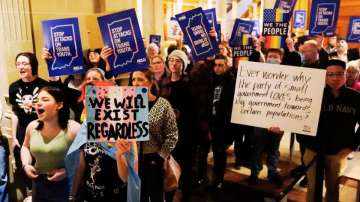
(22, 63)
(337, 74)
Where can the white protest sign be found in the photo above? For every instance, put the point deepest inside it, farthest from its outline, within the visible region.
(270, 95)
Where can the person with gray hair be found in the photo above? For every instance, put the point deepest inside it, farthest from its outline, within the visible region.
(152, 50)
(352, 75)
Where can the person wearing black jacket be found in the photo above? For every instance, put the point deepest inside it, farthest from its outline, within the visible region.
(179, 94)
(220, 126)
(335, 138)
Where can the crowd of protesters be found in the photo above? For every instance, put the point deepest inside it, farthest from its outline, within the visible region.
(190, 105)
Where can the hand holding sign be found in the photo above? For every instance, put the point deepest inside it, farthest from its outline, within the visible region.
(122, 146)
(106, 52)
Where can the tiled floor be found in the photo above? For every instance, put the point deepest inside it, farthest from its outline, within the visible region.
(236, 188)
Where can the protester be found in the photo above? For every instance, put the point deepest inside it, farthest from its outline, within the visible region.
(331, 46)
(311, 55)
(267, 140)
(311, 59)
(95, 178)
(220, 126)
(225, 50)
(336, 136)
(352, 76)
(23, 95)
(342, 50)
(200, 90)
(46, 143)
(157, 67)
(152, 50)
(163, 138)
(184, 151)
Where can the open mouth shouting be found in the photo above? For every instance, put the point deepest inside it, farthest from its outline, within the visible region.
(40, 111)
(23, 72)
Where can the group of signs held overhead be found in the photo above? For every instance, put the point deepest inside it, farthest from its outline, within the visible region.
(121, 32)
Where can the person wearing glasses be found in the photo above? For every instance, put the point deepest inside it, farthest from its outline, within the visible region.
(23, 94)
(336, 136)
(184, 152)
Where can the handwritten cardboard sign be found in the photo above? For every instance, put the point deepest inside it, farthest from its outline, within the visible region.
(270, 95)
(62, 39)
(114, 112)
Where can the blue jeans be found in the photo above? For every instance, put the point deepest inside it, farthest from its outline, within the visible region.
(3, 171)
(263, 140)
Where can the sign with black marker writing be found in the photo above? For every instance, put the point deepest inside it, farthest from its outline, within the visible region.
(270, 95)
(114, 112)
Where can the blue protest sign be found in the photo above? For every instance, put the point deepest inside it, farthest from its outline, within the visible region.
(121, 32)
(256, 28)
(174, 30)
(354, 30)
(324, 15)
(241, 27)
(196, 28)
(211, 16)
(286, 6)
(218, 31)
(156, 39)
(299, 19)
(62, 39)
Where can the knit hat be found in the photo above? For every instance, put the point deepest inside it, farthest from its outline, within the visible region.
(101, 71)
(180, 54)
